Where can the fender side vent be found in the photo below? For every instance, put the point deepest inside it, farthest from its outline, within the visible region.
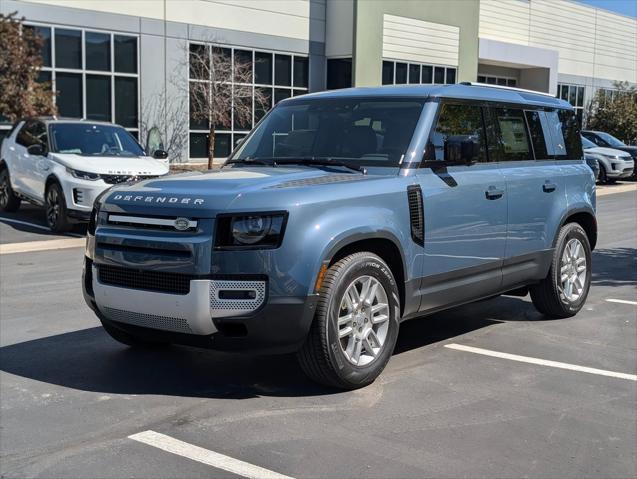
(416, 214)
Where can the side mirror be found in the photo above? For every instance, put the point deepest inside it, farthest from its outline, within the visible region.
(160, 154)
(462, 150)
(37, 150)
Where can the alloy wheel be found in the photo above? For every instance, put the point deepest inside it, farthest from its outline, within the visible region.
(363, 320)
(52, 207)
(4, 191)
(573, 271)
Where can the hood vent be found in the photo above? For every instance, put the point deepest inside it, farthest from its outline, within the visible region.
(319, 180)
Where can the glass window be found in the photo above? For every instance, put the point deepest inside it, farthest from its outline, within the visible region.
(223, 145)
(263, 68)
(44, 77)
(482, 79)
(281, 94)
(261, 110)
(571, 133)
(301, 73)
(69, 94)
(401, 73)
(456, 121)
(427, 74)
(339, 73)
(513, 136)
(580, 96)
(27, 135)
(45, 35)
(564, 93)
(93, 140)
(414, 73)
(511, 82)
(572, 95)
(98, 97)
(242, 106)
(199, 62)
(126, 101)
(282, 70)
(198, 94)
(221, 60)
(198, 145)
(125, 54)
(451, 75)
(388, 73)
(537, 135)
(98, 51)
(439, 75)
(367, 131)
(243, 57)
(68, 48)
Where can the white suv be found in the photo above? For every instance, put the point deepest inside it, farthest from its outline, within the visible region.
(65, 164)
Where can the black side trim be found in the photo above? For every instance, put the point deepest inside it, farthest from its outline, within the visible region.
(416, 214)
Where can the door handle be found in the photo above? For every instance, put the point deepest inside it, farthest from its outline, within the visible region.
(549, 187)
(493, 193)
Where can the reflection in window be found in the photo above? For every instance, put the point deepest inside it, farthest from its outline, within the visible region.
(68, 48)
(513, 136)
(69, 96)
(125, 54)
(462, 122)
(98, 97)
(537, 135)
(98, 51)
(339, 73)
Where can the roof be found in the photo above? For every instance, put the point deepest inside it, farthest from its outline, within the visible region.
(53, 119)
(456, 91)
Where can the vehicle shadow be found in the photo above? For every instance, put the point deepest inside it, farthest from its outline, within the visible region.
(89, 360)
(614, 267)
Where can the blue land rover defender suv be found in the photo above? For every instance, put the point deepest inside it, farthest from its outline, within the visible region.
(344, 213)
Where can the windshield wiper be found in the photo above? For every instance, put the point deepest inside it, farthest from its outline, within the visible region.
(320, 161)
(251, 161)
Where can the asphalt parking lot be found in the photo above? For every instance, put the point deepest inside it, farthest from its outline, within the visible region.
(490, 389)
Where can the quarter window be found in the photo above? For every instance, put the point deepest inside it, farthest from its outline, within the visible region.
(456, 120)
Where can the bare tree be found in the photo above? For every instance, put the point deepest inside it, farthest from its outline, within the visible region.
(20, 61)
(220, 88)
(165, 113)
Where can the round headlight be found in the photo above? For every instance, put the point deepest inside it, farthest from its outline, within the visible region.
(250, 229)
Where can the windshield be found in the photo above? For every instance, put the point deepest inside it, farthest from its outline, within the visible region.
(91, 139)
(586, 143)
(610, 139)
(359, 131)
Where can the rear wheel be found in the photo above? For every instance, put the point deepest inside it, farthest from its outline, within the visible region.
(563, 292)
(131, 340)
(56, 214)
(355, 328)
(9, 202)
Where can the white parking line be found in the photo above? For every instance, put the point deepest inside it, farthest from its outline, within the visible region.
(542, 362)
(205, 456)
(32, 246)
(622, 301)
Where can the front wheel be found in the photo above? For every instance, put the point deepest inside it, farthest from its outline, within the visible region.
(9, 202)
(56, 214)
(355, 328)
(563, 292)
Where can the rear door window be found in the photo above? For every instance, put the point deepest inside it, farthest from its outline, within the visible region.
(512, 134)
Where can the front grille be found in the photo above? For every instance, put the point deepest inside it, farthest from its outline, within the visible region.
(145, 320)
(157, 281)
(116, 179)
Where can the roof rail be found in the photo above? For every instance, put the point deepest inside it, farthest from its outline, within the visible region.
(502, 87)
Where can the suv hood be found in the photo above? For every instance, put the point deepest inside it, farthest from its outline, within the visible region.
(206, 194)
(600, 150)
(112, 165)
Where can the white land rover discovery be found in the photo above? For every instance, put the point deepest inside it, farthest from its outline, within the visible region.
(64, 165)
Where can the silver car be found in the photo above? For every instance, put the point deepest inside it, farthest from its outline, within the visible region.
(613, 164)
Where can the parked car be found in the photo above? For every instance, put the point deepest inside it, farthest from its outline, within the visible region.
(64, 165)
(592, 162)
(606, 140)
(613, 164)
(341, 215)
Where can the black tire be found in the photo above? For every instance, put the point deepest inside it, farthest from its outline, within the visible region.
(547, 296)
(9, 202)
(55, 204)
(322, 356)
(603, 176)
(132, 340)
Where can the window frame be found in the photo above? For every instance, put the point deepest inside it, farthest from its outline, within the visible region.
(53, 69)
(253, 85)
(409, 64)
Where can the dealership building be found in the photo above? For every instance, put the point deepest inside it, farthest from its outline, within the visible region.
(127, 61)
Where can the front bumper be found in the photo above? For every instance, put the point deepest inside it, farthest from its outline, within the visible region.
(620, 169)
(201, 318)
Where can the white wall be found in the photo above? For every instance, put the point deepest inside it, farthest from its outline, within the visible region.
(339, 33)
(419, 41)
(285, 18)
(591, 42)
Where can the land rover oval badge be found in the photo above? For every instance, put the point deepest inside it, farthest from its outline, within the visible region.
(182, 224)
